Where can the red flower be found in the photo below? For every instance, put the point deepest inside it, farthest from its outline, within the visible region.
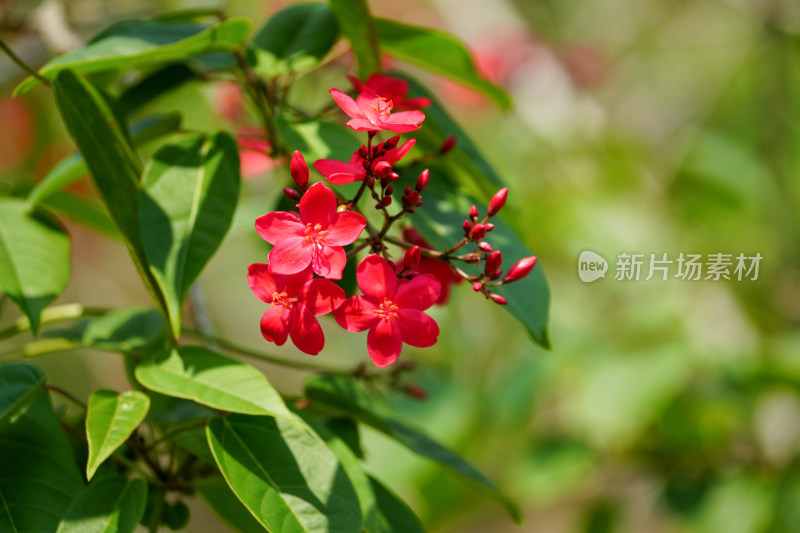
(295, 300)
(314, 237)
(391, 88)
(435, 267)
(340, 173)
(370, 112)
(391, 309)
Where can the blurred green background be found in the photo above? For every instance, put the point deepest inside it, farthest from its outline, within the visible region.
(664, 126)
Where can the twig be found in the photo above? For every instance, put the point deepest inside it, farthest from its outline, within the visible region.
(21, 64)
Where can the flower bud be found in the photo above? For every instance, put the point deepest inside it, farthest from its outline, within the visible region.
(387, 200)
(448, 145)
(391, 143)
(485, 246)
(362, 152)
(477, 286)
(473, 212)
(496, 298)
(493, 261)
(520, 269)
(422, 180)
(382, 169)
(489, 226)
(392, 177)
(299, 170)
(498, 201)
(496, 275)
(389, 190)
(291, 194)
(477, 232)
(467, 225)
(416, 392)
(412, 257)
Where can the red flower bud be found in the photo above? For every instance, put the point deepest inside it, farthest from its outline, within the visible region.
(389, 190)
(467, 225)
(498, 201)
(489, 226)
(391, 143)
(392, 177)
(412, 257)
(382, 169)
(416, 392)
(422, 180)
(485, 246)
(520, 269)
(496, 298)
(477, 286)
(477, 232)
(299, 170)
(387, 200)
(496, 275)
(362, 152)
(448, 144)
(493, 262)
(291, 194)
(473, 212)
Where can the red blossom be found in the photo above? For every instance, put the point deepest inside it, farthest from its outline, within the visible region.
(316, 236)
(340, 173)
(435, 267)
(253, 149)
(370, 112)
(391, 88)
(391, 309)
(296, 300)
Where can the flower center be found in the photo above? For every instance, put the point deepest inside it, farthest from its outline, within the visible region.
(315, 234)
(282, 301)
(383, 108)
(387, 310)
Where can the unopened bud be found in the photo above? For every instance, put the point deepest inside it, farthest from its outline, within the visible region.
(416, 392)
(299, 170)
(520, 269)
(387, 200)
(412, 257)
(448, 145)
(392, 177)
(382, 169)
(485, 246)
(493, 261)
(477, 286)
(473, 212)
(362, 152)
(496, 275)
(496, 298)
(489, 226)
(389, 189)
(422, 180)
(498, 201)
(410, 198)
(478, 232)
(291, 194)
(391, 142)
(467, 225)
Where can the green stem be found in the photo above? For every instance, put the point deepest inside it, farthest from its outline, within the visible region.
(59, 313)
(260, 95)
(67, 395)
(168, 435)
(21, 64)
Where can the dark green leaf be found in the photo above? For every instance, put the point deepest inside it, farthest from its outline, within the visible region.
(34, 259)
(286, 476)
(342, 395)
(394, 515)
(38, 474)
(19, 383)
(189, 195)
(154, 85)
(225, 503)
(86, 211)
(358, 26)
(441, 53)
(212, 379)
(111, 417)
(132, 330)
(295, 39)
(110, 504)
(136, 43)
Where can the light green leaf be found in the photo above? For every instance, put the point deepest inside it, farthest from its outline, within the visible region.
(109, 504)
(358, 26)
(110, 419)
(228, 507)
(286, 476)
(34, 259)
(189, 195)
(19, 383)
(394, 515)
(295, 39)
(212, 379)
(38, 474)
(136, 43)
(341, 395)
(439, 52)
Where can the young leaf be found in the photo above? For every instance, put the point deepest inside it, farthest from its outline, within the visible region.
(358, 26)
(109, 504)
(286, 476)
(19, 383)
(439, 52)
(137, 43)
(34, 259)
(295, 39)
(212, 379)
(343, 396)
(110, 419)
(394, 515)
(37, 470)
(228, 507)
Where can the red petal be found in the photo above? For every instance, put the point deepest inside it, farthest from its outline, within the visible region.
(339, 172)
(420, 101)
(347, 104)
(322, 296)
(345, 229)
(318, 206)
(356, 314)
(362, 124)
(290, 256)
(254, 164)
(305, 330)
(275, 325)
(399, 152)
(262, 283)
(421, 292)
(294, 284)
(403, 121)
(367, 101)
(329, 261)
(384, 342)
(376, 279)
(417, 328)
(279, 225)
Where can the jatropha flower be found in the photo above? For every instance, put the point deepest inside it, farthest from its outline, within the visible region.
(391, 88)
(371, 112)
(296, 301)
(391, 309)
(340, 173)
(314, 237)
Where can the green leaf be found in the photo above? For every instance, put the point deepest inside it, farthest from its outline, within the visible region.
(295, 39)
(19, 383)
(109, 504)
(228, 507)
(154, 85)
(110, 419)
(34, 259)
(394, 515)
(342, 395)
(212, 379)
(136, 43)
(439, 52)
(189, 195)
(133, 330)
(319, 139)
(87, 211)
(286, 476)
(38, 474)
(358, 26)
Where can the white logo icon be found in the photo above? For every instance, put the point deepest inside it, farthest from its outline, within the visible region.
(591, 266)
